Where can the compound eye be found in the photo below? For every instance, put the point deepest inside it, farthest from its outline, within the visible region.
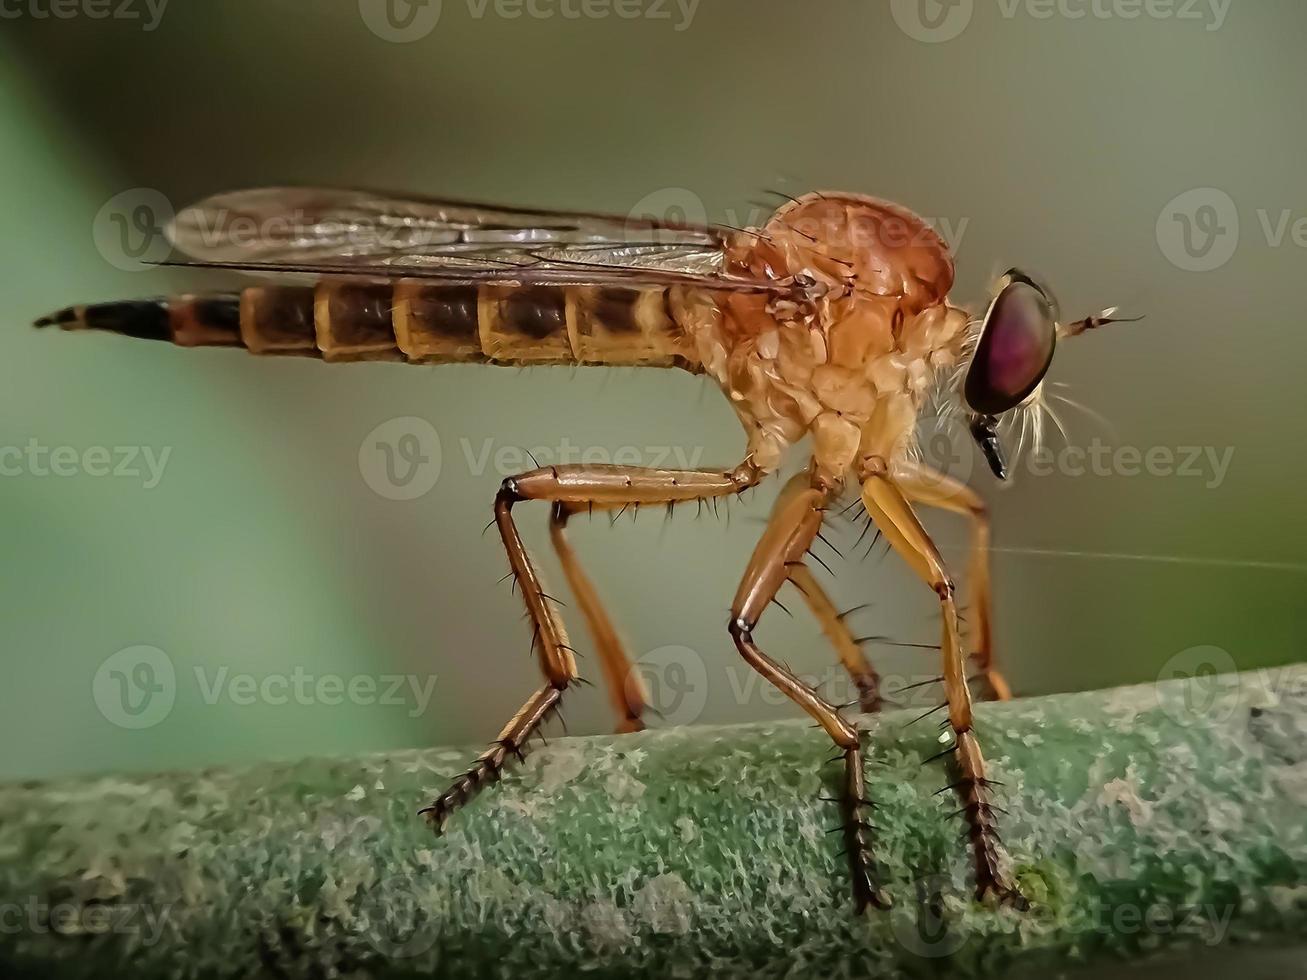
(1015, 348)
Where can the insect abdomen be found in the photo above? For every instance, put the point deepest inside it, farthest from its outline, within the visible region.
(411, 320)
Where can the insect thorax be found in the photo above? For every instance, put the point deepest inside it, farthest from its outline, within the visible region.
(851, 353)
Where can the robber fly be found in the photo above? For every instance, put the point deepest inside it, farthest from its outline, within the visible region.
(832, 320)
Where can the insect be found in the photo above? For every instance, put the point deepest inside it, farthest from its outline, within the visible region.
(832, 321)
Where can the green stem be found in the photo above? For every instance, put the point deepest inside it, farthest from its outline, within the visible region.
(1158, 818)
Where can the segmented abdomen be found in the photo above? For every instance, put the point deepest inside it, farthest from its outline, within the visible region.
(413, 320)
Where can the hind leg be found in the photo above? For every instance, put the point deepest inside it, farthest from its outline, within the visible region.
(574, 488)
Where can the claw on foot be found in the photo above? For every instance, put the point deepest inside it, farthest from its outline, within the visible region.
(1005, 895)
(866, 889)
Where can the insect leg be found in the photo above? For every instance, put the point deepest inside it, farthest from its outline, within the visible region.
(893, 514)
(573, 488)
(859, 668)
(792, 528)
(626, 688)
(557, 662)
(926, 486)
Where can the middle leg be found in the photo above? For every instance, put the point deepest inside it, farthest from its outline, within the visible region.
(626, 688)
(831, 620)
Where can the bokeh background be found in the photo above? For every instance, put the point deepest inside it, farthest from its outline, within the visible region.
(1152, 158)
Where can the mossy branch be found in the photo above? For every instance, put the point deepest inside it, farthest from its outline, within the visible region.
(1153, 819)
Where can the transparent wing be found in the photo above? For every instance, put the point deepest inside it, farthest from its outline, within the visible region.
(319, 231)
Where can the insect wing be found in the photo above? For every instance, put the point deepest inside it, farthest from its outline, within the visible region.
(313, 231)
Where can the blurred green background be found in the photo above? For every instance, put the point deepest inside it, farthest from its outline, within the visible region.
(282, 592)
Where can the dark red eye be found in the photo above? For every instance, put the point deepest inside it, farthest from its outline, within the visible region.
(1015, 348)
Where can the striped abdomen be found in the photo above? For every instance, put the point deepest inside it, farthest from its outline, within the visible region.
(411, 320)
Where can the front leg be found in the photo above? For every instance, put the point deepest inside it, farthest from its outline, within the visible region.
(926, 486)
(893, 514)
(793, 528)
